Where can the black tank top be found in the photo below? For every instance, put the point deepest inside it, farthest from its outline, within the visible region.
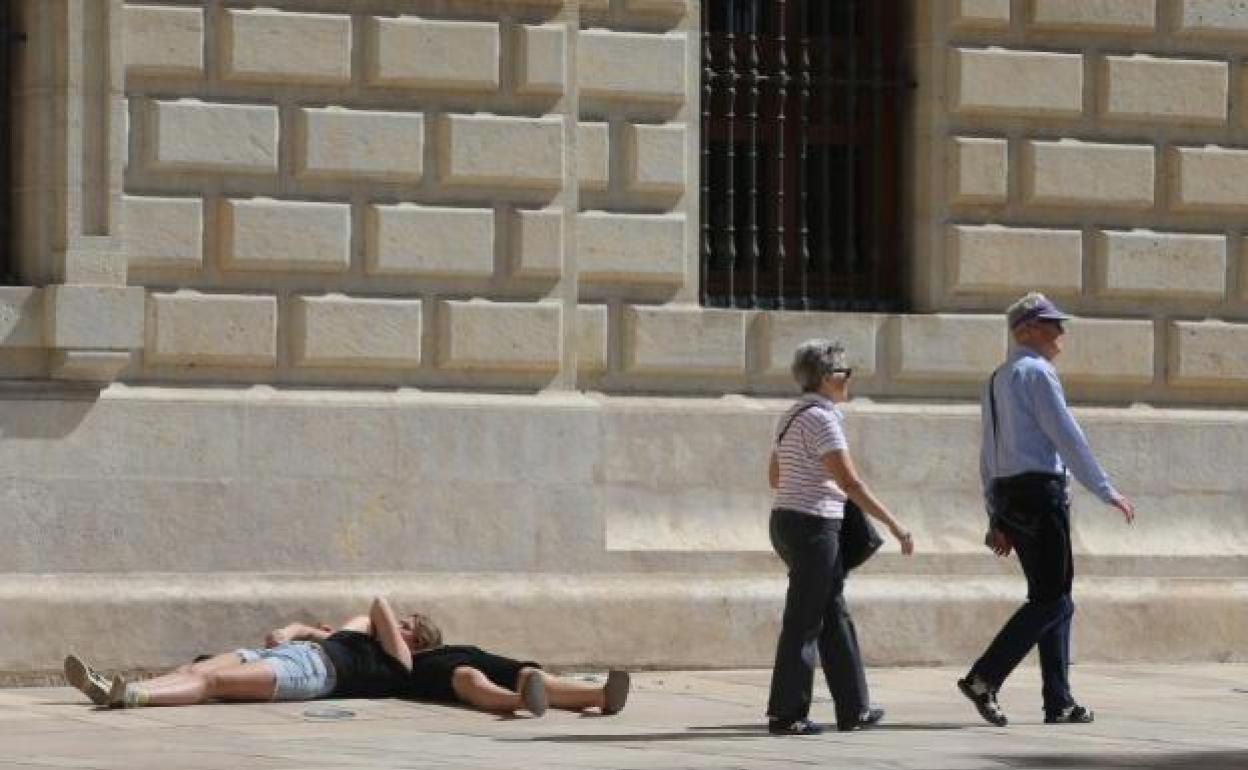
(362, 667)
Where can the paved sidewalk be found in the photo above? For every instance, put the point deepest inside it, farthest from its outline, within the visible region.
(1163, 718)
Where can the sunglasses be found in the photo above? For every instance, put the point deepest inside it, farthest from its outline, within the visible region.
(1056, 324)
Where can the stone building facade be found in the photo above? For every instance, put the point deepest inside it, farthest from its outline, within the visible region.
(331, 297)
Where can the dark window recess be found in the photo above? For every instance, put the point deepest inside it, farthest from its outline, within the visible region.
(9, 40)
(802, 110)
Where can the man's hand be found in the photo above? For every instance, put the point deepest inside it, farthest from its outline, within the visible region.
(998, 542)
(277, 636)
(904, 538)
(1124, 505)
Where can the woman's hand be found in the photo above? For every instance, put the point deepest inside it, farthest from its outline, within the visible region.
(904, 538)
(278, 636)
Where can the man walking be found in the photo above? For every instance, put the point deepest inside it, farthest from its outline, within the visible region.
(1030, 439)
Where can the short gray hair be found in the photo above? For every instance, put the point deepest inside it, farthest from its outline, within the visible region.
(814, 360)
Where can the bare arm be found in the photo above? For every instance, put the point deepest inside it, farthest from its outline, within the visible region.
(295, 632)
(773, 471)
(841, 466)
(386, 631)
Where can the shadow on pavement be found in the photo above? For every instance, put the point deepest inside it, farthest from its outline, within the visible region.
(1193, 760)
(721, 732)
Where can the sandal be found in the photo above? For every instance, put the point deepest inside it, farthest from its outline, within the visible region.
(615, 692)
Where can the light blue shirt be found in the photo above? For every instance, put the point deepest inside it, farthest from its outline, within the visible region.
(1035, 429)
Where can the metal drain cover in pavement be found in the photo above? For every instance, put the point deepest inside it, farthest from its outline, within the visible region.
(328, 712)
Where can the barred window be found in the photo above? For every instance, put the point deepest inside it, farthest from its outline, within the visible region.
(802, 110)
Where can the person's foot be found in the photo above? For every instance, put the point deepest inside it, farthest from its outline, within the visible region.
(980, 693)
(869, 718)
(533, 694)
(89, 682)
(1071, 715)
(615, 692)
(793, 727)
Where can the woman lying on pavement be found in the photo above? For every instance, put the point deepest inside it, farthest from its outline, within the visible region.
(373, 656)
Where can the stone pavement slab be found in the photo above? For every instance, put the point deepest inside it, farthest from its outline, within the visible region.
(1191, 717)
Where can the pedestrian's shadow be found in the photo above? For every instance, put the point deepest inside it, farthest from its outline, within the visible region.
(708, 733)
(1190, 760)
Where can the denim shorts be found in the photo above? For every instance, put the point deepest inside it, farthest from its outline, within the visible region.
(302, 670)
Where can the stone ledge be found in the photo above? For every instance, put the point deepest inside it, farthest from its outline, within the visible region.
(910, 619)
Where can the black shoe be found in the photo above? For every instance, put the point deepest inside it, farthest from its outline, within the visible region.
(985, 700)
(866, 720)
(793, 727)
(1071, 715)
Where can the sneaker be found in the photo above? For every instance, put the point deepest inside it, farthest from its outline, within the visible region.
(793, 727)
(869, 718)
(615, 692)
(985, 699)
(90, 682)
(533, 694)
(1071, 715)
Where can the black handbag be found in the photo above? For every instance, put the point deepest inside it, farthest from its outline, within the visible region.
(859, 538)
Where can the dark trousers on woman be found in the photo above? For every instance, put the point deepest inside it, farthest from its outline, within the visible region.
(1033, 510)
(816, 622)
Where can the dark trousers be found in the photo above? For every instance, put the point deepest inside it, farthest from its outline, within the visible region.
(1034, 511)
(816, 621)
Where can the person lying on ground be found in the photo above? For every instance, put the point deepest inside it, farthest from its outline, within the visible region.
(305, 662)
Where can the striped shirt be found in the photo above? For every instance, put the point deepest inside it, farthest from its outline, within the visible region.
(805, 484)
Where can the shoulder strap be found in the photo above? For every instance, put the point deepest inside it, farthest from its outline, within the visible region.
(992, 408)
(789, 424)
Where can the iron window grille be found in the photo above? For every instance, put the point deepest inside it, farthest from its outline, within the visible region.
(803, 103)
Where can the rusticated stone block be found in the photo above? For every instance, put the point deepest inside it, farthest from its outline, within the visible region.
(1005, 82)
(164, 232)
(163, 40)
(1209, 178)
(336, 330)
(785, 331)
(338, 143)
(1071, 173)
(979, 13)
(537, 242)
(1208, 353)
(1139, 263)
(1095, 15)
(199, 136)
(593, 155)
(1150, 89)
(406, 239)
(542, 63)
(979, 169)
(591, 338)
(266, 45)
(631, 65)
(995, 258)
(188, 327)
(948, 347)
(655, 157)
(95, 317)
(631, 247)
(1220, 18)
(21, 317)
(683, 340)
(491, 150)
(1107, 350)
(422, 53)
(519, 336)
(266, 234)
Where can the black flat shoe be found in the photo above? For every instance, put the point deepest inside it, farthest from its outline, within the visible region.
(985, 701)
(866, 720)
(794, 727)
(1071, 715)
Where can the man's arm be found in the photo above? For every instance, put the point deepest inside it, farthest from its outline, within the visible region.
(386, 632)
(1055, 419)
(295, 632)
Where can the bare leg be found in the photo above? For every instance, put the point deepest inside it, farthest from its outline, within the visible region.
(242, 682)
(474, 688)
(573, 695)
(215, 663)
